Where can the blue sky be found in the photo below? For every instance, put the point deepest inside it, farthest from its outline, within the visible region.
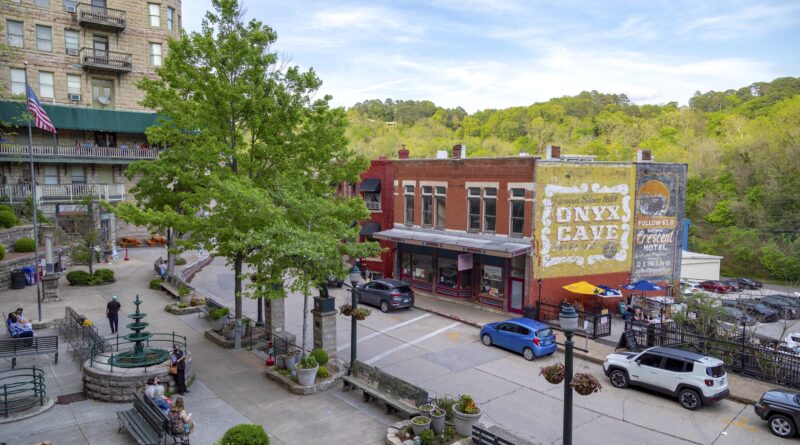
(482, 54)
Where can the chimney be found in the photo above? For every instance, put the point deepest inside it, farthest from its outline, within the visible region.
(644, 155)
(553, 152)
(457, 151)
(402, 153)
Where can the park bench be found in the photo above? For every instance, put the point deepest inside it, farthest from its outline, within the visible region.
(140, 421)
(397, 394)
(16, 347)
(156, 241)
(158, 414)
(173, 285)
(129, 241)
(80, 338)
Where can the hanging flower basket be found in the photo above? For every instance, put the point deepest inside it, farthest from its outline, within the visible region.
(553, 373)
(346, 310)
(585, 384)
(361, 313)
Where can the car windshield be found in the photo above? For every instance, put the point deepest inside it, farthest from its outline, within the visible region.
(716, 371)
(403, 289)
(542, 333)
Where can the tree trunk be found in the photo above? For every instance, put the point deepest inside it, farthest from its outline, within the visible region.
(170, 254)
(237, 288)
(305, 322)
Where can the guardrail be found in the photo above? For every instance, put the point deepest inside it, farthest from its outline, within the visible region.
(60, 193)
(21, 389)
(100, 16)
(104, 354)
(589, 324)
(107, 60)
(50, 151)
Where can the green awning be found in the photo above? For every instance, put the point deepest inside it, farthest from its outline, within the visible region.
(80, 118)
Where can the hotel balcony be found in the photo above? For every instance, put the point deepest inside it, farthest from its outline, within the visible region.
(63, 193)
(105, 60)
(75, 154)
(98, 17)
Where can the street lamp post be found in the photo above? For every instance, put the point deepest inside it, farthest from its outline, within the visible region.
(540, 292)
(568, 319)
(355, 275)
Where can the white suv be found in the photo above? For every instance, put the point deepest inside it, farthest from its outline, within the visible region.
(695, 379)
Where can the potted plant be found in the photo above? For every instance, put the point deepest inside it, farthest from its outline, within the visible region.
(465, 414)
(437, 420)
(218, 316)
(346, 310)
(553, 373)
(248, 326)
(290, 358)
(307, 371)
(421, 423)
(585, 384)
(425, 408)
(361, 313)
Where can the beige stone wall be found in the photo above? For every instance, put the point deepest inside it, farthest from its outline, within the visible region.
(135, 40)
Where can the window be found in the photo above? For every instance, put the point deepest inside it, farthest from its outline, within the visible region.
(72, 41)
(73, 84)
(474, 209)
(544, 333)
(489, 209)
(154, 11)
(651, 360)
(155, 54)
(451, 277)
(170, 19)
(716, 371)
(15, 34)
(17, 81)
(674, 365)
(102, 92)
(517, 205)
(427, 206)
(46, 84)
(441, 197)
(51, 174)
(423, 267)
(492, 281)
(373, 201)
(77, 174)
(409, 204)
(42, 3)
(44, 38)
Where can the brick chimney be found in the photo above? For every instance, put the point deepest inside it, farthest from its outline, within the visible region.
(457, 151)
(402, 153)
(553, 152)
(644, 155)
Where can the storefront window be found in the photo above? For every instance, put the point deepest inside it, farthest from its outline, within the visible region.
(423, 268)
(518, 266)
(448, 272)
(492, 281)
(405, 264)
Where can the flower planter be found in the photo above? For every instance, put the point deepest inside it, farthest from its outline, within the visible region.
(306, 376)
(585, 384)
(464, 422)
(291, 362)
(219, 324)
(420, 424)
(280, 362)
(437, 420)
(553, 374)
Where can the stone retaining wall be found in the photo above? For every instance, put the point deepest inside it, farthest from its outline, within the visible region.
(6, 266)
(10, 236)
(119, 385)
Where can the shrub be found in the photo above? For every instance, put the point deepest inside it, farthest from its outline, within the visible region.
(7, 217)
(307, 362)
(427, 437)
(218, 313)
(320, 356)
(245, 434)
(180, 261)
(25, 245)
(2, 251)
(323, 372)
(155, 284)
(79, 278)
(104, 275)
(183, 305)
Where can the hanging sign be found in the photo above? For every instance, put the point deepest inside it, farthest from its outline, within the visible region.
(464, 261)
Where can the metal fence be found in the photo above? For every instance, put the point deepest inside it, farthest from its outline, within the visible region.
(740, 355)
(104, 353)
(82, 339)
(589, 324)
(21, 389)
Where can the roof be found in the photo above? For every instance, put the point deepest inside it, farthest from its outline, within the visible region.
(680, 353)
(369, 228)
(687, 254)
(371, 185)
(391, 282)
(533, 324)
(496, 245)
(83, 118)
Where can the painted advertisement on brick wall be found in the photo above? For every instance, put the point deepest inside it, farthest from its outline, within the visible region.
(584, 218)
(658, 222)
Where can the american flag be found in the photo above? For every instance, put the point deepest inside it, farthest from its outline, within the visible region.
(40, 118)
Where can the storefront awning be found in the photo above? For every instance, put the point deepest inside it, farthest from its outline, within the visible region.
(82, 118)
(369, 228)
(370, 185)
(490, 245)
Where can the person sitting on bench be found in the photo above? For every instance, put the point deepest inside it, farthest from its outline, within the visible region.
(18, 329)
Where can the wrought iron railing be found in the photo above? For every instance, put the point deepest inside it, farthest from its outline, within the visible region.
(49, 151)
(104, 354)
(104, 59)
(589, 324)
(21, 389)
(98, 15)
(59, 193)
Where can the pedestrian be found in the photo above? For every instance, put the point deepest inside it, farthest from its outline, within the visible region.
(180, 421)
(178, 359)
(112, 312)
(20, 315)
(162, 270)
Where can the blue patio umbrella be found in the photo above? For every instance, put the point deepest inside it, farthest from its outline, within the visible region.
(643, 285)
(609, 292)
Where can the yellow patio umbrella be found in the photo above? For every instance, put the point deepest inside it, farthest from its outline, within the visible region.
(584, 288)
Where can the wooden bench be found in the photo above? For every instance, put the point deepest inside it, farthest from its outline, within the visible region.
(173, 285)
(16, 347)
(156, 241)
(129, 241)
(140, 422)
(397, 395)
(156, 412)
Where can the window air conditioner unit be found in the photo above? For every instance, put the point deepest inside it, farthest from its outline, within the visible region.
(72, 51)
(70, 7)
(75, 97)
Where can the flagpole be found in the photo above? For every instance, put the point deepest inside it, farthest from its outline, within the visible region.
(33, 200)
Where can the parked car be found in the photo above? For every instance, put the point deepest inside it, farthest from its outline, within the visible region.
(755, 308)
(386, 293)
(781, 410)
(792, 340)
(528, 337)
(737, 316)
(748, 283)
(788, 309)
(715, 286)
(733, 284)
(333, 281)
(695, 379)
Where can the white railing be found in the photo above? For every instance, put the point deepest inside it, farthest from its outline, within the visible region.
(59, 193)
(79, 152)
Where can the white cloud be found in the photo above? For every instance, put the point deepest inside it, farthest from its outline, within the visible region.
(743, 23)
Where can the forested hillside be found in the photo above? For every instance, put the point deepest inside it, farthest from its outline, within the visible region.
(742, 147)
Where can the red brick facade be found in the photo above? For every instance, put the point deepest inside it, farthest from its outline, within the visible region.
(383, 170)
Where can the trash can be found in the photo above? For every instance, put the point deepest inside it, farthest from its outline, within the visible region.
(18, 279)
(30, 275)
(531, 312)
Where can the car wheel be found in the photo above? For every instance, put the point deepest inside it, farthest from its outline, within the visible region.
(486, 339)
(619, 379)
(781, 426)
(528, 354)
(384, 306)
(689, 399)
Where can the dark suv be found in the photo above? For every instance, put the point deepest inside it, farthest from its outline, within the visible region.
(782, 410)
(386, 293)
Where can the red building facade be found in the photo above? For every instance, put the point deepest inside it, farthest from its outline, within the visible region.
(377, 189)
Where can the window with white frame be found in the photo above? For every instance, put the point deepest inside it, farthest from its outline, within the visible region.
(154, 12)
(427, 205)
(155, 54)
(72, 41)
(51, 174)
(490, 209)
(517, 208)
(441, 200)
(44, 38)
(474, 209)
(73, 84)
(46, 84)
(170, 18)
(77, 174)
(17, 81)
(15, 34)
(408, 199)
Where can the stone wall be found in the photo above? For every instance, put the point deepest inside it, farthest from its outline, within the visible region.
(7, 266)
(10, 236)
(120, 384)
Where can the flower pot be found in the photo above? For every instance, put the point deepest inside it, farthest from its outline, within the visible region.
(585, 384)
(280, 362)
(229, 334)
(437, 421)
(219, 324)
(553, 374)
(464, 421)
(291, 362)
(306, 376)
(425, 423)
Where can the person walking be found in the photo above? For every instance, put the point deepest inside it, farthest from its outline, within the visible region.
(112, 312)
(178, 359)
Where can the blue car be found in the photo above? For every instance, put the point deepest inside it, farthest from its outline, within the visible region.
(528, 337)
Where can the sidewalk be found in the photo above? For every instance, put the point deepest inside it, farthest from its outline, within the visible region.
(743, 389)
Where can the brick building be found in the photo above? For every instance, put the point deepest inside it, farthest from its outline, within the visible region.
(377, 190)
(83, 62)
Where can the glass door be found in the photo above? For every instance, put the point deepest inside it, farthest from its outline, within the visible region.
(517, 295)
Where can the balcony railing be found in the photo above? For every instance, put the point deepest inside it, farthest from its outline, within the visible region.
(20, 152)
(101, 18)
(62, 193)
(106, 60)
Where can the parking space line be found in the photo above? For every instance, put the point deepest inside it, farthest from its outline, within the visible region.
(411, 343)
(383, 331)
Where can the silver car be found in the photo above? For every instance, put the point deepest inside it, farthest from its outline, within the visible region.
(386, 294)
